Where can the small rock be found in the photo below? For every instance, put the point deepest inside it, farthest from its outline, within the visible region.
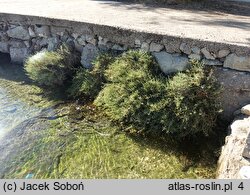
(223, 53)
(19, 33)
(42, 31)
(212, 62)
(18, 55)
(81, 40)
(170, 63)
(240, 128)
(53, 43)
(194, 56)
(145, 47)
(156, 47)
(196, 50)
(89, 53)
(102, 41)
(75, 35)
(137, 43)
(91, 39)
(118, 47)
(185, 48)
(246, 110)
(238, 63)
(207, 54)
(172, 47)
(29, 176)
(31, 32)
(245, 172)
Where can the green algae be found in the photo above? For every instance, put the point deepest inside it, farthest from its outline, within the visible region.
(77, 141)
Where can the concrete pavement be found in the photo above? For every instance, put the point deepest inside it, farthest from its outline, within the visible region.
(200, 25)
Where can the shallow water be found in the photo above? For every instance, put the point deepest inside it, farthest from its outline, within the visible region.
(13, 112)
(66, 140)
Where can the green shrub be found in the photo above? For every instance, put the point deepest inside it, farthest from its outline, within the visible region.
(193, 101)
(138, 95)
(51, 68)
(135, 84)
(100, 65)
(87, 83)
(84, 85)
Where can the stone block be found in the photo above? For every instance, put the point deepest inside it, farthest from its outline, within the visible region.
(42, 31)
(156, 47)
(212, 62)
(89, 53)
(185, 48)
(171, 63)
(237, 62)
(19, 33)
(223, 53)
(18, 55)
(194, 56)
(246, 110)
(207, 54)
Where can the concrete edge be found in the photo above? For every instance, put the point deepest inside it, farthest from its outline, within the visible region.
(120, 35)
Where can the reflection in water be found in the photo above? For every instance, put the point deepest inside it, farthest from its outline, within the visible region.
(13, 112)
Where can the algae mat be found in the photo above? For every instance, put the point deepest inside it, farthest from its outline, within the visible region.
(48, 136)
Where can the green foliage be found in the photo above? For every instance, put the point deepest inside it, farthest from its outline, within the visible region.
(134, 85)
(83, 85)
(87, 83)
(51, 68)
(101, 63)
(96, 150)
(193, 101)
(67, 147)
(138, 95)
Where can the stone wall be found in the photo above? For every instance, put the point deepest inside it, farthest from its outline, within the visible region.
(234, 162)
(235, 90)
(21, 36)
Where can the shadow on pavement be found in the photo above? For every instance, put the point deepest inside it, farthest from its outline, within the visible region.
(211, 6)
